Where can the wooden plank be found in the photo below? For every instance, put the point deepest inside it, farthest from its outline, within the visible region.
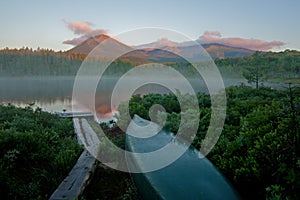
(81, 174)
(79, 177)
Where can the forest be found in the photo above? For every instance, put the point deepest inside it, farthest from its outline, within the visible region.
(26, 62)
(262, 66)
(259, 148)
(265, 66)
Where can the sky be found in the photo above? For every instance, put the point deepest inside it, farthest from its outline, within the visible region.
(57, 24)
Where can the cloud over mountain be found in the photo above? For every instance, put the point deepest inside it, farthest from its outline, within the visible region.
(84, 29)
(253, 44)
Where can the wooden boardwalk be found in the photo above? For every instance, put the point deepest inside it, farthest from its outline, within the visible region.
(79, 177)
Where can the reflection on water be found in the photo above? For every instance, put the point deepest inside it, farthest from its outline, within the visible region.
(53, 106)
(54, 94)
(37, 88)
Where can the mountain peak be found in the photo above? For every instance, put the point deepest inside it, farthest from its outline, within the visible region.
(89, 44)
(100, 38)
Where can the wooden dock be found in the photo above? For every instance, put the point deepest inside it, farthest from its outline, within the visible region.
(75, 114)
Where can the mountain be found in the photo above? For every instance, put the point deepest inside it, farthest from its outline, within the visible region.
(88, 45)
(154, 53)
(216, 50)
(190, 50)
(109, 48)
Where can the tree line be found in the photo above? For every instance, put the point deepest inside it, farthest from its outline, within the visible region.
(265, 66)
(46, 62)
(259, 67)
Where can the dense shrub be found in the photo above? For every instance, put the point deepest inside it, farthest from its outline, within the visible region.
(37, 150)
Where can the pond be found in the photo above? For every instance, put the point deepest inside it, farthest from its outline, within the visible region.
(54, 94)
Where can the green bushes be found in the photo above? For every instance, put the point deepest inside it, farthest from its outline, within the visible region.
(257, 150)
(37, 150)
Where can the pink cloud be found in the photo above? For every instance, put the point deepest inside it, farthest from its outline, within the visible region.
(75, 41)
(97, 32)
(79, 28)
(163, 42)
(254, 44)
(212, 33)
(84, 29)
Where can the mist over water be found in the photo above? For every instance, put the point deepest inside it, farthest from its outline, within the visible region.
(54, 94)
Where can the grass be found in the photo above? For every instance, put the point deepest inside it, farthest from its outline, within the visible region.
(108, 183)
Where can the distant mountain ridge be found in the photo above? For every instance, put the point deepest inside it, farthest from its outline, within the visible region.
(217, 50)
(152, 53)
